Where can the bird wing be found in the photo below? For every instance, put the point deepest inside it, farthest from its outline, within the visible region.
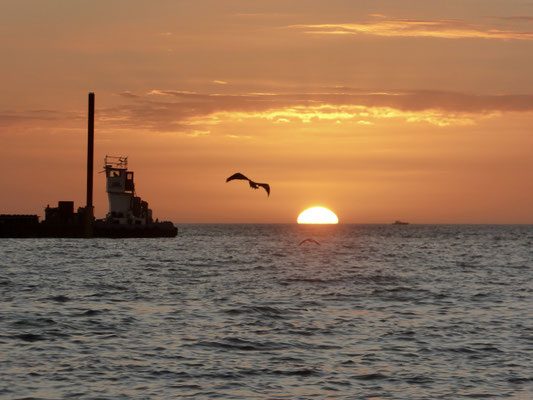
(237, 175)
(265, 186)
(255, 185)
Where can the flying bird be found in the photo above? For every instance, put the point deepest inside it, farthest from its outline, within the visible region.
(253, 185)
(309, 240)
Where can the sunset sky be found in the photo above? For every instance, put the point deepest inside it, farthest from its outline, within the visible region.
(378, 110)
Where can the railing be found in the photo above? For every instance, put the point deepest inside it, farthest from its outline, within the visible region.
(116, 162)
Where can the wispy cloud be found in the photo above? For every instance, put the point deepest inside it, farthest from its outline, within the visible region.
(446, 29)
(171, 92)
(195, 114)
(184, 111)
(128, 94)
(17, 118)
(516, 18)
(339, 114)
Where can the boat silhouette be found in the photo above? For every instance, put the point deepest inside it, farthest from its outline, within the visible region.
(128, 216)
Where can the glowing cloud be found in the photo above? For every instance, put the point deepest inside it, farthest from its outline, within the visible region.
(165, 110)
(446, 29)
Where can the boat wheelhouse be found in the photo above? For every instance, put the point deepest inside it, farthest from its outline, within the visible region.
(124, 206)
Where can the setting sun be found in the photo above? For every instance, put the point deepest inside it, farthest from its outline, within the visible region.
(317, 215)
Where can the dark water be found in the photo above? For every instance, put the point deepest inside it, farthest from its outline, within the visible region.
(243, 312)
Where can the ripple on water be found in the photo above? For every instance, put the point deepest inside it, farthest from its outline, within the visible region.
(240, 312)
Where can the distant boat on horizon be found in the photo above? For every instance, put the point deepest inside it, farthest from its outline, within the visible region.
(398, 222)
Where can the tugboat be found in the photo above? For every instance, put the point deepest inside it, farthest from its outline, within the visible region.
(128, 216)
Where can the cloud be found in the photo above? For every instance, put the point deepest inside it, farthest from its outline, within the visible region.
(517, 18)
(17, 118)
(446, 29)
(185, 111)
(345, 113)
(195, 114)
(170, 92)
(128, 94)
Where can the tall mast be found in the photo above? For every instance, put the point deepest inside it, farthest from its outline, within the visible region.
(89, 213)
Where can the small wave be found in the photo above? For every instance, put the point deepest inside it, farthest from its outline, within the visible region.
(167, 373)
(463, 349)
(58, 334)
(301, 332)
(90, 313)
(399, 289)
(218, 375)
(520, 379)
(107, 286)
(489, 348)
(371, 377)
(297, 372)
(37, 322)
(75, 395)
(30, 337)
(186, 386)
(481, 296)
(60, 298)
(266, 311)
(466, 265)
(380, 279)
(314, 346)
(284, 359)
(241, 344)
(402, 293)
(418, 379)
(307, 280)
(280, 372)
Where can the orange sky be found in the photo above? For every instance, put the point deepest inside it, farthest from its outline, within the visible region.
(379, 110)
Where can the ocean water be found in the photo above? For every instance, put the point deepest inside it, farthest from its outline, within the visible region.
(245, 312)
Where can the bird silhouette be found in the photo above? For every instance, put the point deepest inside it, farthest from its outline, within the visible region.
(253, 185)
(309, 240)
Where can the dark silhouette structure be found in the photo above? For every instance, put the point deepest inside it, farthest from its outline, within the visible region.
(89, 210)
(132, 220)
(253, 185)
(397, 222)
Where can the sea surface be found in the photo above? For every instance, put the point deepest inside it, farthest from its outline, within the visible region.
(246, 312)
